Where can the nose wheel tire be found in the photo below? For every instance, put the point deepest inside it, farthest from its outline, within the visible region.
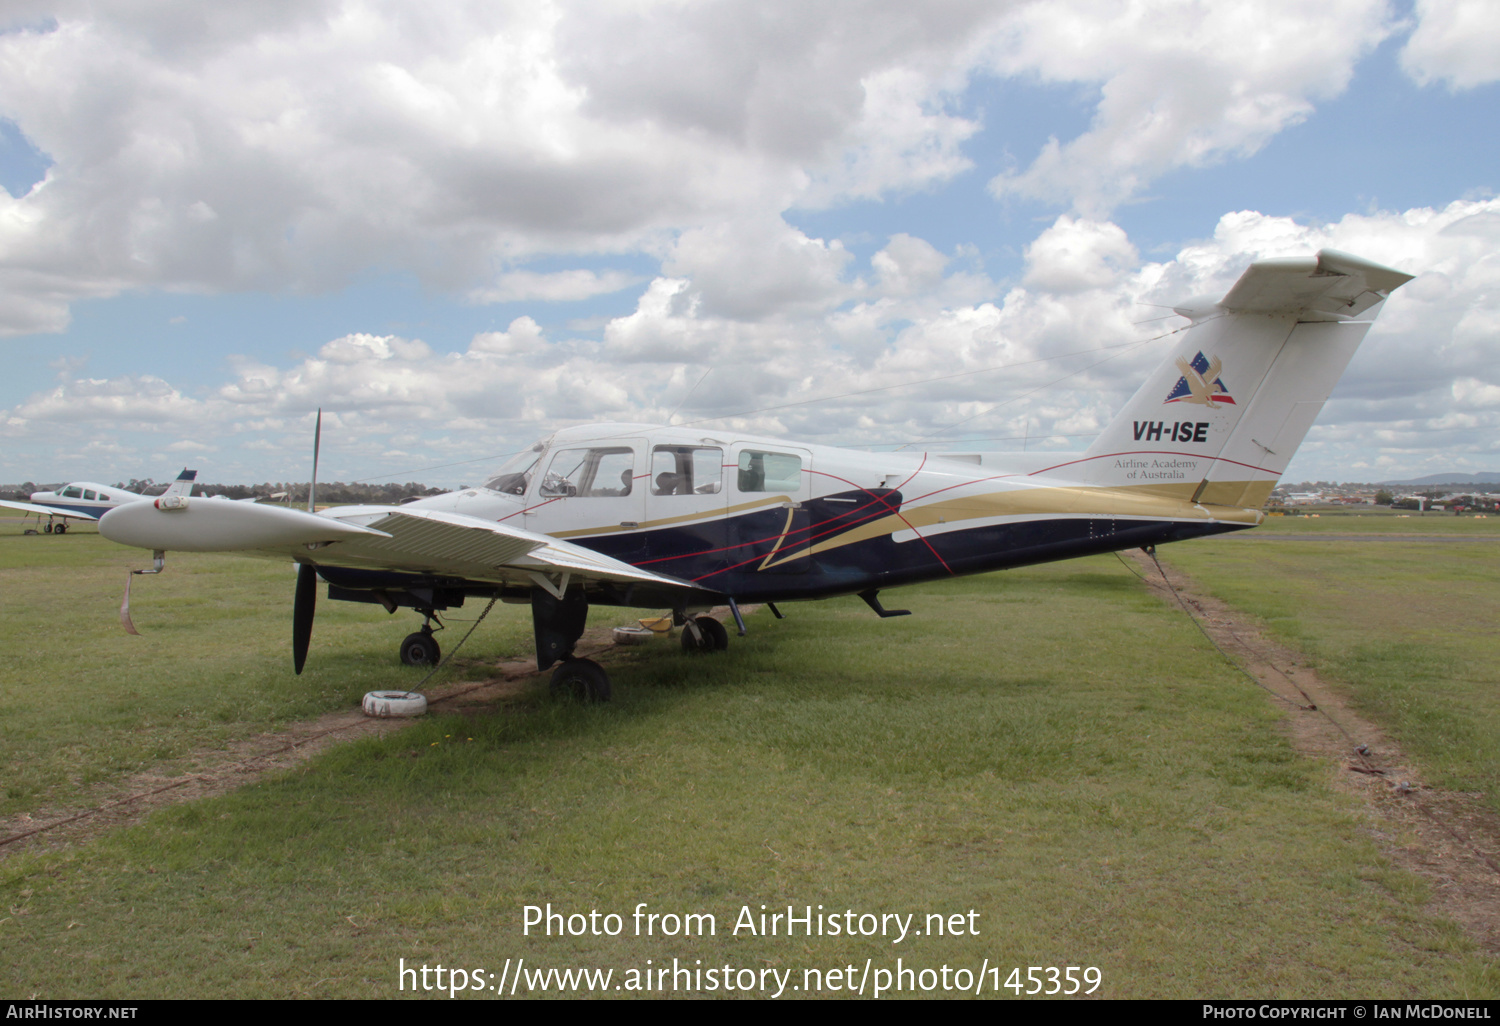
(581, 680)
(704, 634)
(420, 650)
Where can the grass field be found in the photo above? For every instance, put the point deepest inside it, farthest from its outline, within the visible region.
(1053, 749)
(1411, 628)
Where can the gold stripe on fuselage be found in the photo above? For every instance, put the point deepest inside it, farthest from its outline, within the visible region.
(1147, 502)
(1132, 501)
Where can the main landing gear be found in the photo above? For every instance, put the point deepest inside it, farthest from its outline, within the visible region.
(704, 634)
(558, 624)
(582, 680)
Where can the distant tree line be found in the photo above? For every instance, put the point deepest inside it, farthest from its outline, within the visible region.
(334, 493)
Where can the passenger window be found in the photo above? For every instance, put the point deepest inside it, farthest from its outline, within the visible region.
(590, 472)
(686, 470)
(769, 472)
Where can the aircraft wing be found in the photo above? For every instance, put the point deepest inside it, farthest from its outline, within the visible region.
(457, 545)
(50, 511)
(392, 538)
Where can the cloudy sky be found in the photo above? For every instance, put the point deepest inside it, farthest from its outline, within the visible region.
(457, 227)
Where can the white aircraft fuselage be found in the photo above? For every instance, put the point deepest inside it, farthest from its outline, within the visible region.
(684, 518)
(89, 498)
(759, 518)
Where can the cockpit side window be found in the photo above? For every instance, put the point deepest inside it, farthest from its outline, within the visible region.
(516, 473)
(769, 472)
(593, 473)
(71, 492)
(686, 470)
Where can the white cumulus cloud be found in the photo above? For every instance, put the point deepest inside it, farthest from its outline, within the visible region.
(1455, 42)
(1181, 84)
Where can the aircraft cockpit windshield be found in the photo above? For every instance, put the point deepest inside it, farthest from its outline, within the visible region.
(515, 475)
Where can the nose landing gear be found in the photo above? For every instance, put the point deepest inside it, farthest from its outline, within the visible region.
(421, 648)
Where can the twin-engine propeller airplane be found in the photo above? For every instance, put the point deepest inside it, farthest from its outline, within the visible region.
(686, 519)
(88, 500)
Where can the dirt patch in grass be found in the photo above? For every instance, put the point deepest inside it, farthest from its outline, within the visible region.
(1449, 839)
(210, 772)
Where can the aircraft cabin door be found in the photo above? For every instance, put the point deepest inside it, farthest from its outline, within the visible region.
(685, 507)
(594, 495)
(769, 525)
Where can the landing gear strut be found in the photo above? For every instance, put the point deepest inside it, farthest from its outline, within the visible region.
(558, 624)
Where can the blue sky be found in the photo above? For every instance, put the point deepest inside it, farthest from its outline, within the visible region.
(459, 231)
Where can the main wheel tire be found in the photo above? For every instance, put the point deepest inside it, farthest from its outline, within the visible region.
(47, 529)
(420, 649)
(60, 529)
(582, 680)
(710, 636)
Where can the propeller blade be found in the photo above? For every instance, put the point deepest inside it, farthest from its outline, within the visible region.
(317, 441)
(303, 607)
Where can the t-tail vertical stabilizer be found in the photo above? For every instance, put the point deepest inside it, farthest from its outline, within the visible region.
(1220, 419)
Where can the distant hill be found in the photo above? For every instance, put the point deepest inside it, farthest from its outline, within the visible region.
(1445, 479)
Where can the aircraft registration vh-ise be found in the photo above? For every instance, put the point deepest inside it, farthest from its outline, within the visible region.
(688, 519)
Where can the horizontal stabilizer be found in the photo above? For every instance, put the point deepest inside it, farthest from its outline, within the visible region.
(1327, 286)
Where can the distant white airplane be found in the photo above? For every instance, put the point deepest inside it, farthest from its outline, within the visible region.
(89, 500)
(688, 518)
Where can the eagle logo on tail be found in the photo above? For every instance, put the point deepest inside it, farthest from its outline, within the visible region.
(1200, 383)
